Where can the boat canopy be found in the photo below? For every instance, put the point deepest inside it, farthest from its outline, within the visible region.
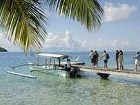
(52, 55)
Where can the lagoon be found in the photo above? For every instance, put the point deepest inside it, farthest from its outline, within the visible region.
(53, 90)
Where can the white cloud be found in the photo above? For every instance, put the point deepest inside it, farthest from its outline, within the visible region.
(117, 44)
(63, 42)
(111, 45)
(5, 43)
(117, 12)
(66, 42)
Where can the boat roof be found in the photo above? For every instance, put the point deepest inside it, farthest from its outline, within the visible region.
(51, 55)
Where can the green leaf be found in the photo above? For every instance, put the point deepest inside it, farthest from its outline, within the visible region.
(88, 12)
(24, 22)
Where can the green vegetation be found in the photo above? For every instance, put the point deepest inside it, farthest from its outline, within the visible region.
(2, 49)
(25, 20)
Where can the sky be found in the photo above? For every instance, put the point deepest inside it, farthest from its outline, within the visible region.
(120, 29)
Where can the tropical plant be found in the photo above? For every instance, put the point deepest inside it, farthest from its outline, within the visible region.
(24, 20)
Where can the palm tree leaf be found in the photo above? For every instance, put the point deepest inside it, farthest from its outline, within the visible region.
(24, 22)
(88, 12)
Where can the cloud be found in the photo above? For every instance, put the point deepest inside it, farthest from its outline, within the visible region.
(67, 42)
(117, 44)
(63, 42)
(5, 43)
(117, 12)
(101, 44)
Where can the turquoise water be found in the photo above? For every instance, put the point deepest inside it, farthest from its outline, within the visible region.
(54, 90)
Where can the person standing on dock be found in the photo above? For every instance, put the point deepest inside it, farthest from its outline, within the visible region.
(91, 56)
(117, 56)
(137, 60)
(120, 59)
(96, 58)
(105, 57)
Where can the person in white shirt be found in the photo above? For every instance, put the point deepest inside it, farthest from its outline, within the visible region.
(137, 60)
(105, 57)
(91, 56)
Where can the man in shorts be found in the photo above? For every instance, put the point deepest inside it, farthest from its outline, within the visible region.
(105, 57)
(137, 60)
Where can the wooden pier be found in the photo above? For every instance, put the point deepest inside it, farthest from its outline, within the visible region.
(110, 71)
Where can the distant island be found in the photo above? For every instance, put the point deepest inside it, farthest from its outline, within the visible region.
(2, 49)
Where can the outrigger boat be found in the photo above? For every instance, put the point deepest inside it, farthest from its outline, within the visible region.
(20, 74)
(53, 65)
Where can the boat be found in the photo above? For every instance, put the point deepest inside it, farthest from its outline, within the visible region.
(20, 74)
(53, 65)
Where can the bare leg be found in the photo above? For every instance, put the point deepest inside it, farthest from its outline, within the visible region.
(117, 64)
(105, 67)
(136, 68)
(121, 65)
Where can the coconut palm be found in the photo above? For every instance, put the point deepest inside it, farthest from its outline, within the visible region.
(24, 20)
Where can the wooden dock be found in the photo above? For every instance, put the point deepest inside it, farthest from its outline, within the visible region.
(110, 71)
(124, 72)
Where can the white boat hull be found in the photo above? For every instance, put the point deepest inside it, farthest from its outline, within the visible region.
(50, 70)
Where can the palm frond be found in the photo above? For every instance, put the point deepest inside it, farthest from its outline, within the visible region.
(88, 12)
(24, 22)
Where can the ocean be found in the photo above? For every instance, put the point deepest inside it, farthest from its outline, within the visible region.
(54, 90)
